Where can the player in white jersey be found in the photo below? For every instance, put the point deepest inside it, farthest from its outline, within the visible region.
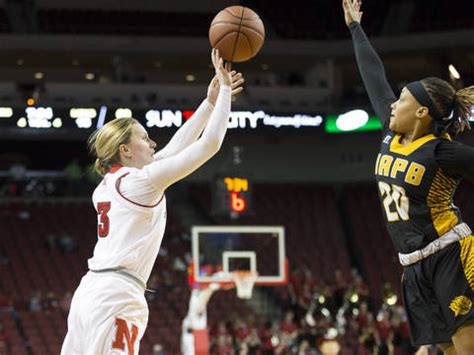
(109, 312)
(196, 318)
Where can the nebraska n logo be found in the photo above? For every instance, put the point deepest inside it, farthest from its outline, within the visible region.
(123, 333)
(387, 139)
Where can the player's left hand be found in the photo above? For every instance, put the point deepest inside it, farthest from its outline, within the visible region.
(352, 11)
(237, 85)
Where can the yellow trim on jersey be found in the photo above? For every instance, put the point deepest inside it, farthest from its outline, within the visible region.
(467, 259)
(439, 202)
(407, 149)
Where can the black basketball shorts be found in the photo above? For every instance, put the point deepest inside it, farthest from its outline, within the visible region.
(439, 293)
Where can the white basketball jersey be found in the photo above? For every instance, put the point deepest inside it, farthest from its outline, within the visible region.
(193, 319)
(129, 234)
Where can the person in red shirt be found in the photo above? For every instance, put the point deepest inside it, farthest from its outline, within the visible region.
(288, 327)
(363, 316)
(288, 331)
(383, 325)
(223, 346)
(266, 335)
(241, 331)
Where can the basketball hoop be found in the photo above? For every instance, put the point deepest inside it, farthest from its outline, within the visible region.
(244, 282)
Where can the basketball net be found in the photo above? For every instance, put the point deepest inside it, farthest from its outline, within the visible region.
(244, 282)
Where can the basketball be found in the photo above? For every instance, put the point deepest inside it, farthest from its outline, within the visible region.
(238, 33)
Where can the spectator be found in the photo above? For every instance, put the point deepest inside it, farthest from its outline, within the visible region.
(223, 346)
(67, 244)
(51, 302)
(364, 315)
(253, 343)
(6, 304)
(241, 332)
(305, 349)
(266, 337)
(288, 330)
(65, 303)
(340, 286)
(35, 302)
(385, 332)
(3, 340)
(158, 350)
(401, 331)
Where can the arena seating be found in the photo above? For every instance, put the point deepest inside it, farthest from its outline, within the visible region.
(4, 24)
(372, 243)
(37, 265)
(285, 21)
(33, 263)
(123, 22)
(314, 234)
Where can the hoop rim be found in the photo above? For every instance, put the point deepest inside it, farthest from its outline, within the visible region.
(237, 274)
(227, 283)
(244, 281)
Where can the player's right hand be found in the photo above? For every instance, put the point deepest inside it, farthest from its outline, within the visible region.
(222, 72)
(352, 11)
(213, 89)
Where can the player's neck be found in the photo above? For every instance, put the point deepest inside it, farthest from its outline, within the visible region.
(408, 138)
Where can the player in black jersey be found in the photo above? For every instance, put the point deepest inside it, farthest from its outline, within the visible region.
(417, 171)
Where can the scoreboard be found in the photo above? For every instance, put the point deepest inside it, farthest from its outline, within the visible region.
(232, 195)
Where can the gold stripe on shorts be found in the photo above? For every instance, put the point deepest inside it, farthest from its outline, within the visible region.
(467, 259)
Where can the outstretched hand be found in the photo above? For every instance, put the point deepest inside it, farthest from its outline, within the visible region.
(352, 11)
(222, 72)
(236, 79)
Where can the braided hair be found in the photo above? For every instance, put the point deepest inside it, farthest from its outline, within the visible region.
(454, 106)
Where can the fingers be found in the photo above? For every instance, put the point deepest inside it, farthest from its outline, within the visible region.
(237, 83)
(214, 56)
(214, 81)
(217, 61)
(233, 73)
(237, 90)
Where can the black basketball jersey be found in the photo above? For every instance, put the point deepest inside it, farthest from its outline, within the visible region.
(416, 182)
(416, 195)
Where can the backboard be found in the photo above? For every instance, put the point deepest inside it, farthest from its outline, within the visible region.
(218, 251)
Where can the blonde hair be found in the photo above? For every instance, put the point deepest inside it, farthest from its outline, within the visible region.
(105, 142)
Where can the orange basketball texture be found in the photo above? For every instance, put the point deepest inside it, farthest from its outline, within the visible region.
(238, 33)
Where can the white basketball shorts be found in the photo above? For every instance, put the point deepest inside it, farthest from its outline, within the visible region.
(108, 315)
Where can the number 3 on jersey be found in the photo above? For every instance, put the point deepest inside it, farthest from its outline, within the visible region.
(394, 195)
(104, 223)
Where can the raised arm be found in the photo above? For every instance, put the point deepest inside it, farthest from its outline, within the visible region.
(370, 65)
(189, 132)
(162, 173)
(193, 128)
